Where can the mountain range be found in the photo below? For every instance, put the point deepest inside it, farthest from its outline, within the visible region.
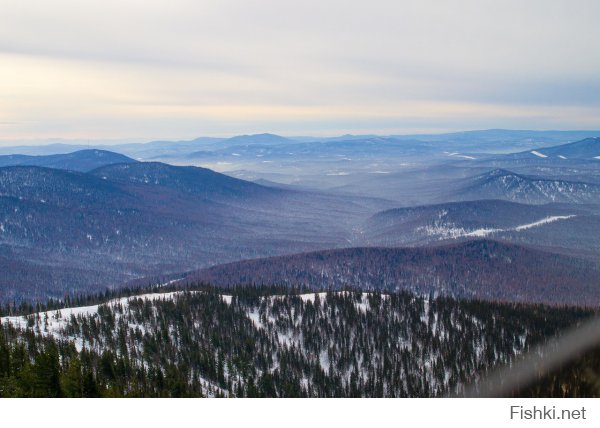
(81, 160)
(59, 229)
(266, 266)
(84, 221)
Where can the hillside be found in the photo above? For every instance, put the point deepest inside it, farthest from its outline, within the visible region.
(507, 185)
(199, 182)
(588, 149)
(53, 187)
(476, 269)
(180, 344)
(64, 231)
(430, 223)
(560, 227)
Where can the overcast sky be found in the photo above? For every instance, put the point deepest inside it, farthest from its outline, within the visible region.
(122, 69)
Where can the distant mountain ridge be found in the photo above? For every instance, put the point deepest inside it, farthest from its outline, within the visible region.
(588, 148)
(580, 153)
(501, 139)
(81, 160)
(265, 138)
(91, 219)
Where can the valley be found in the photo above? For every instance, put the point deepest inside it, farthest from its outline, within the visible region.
(93, 219)
(358, 266)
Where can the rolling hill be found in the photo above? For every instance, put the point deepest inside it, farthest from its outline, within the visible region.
(81, 160)
(560, 227)
(479, 269)
(276, 343)
(123, 221)
(199, 182)
(588, 148)
(507, 185)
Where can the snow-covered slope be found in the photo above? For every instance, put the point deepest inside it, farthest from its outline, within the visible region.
(337, 335)
(546, 225)
(507, 185)
(54, 322)
(443, 231)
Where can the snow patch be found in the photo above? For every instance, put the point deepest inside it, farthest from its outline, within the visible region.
(458, 155)
(310, 297)
(53, 322)
(255, 318)
(546, 220)
(449, 231)
(538, 154)
(480, 233)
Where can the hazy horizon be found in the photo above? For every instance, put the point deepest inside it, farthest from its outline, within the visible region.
(120, 141)
(179, 69)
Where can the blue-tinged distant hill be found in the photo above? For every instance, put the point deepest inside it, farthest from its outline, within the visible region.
(71, 232)
(581, 153)
(507, 185)
(586, 149)
(91, 219)
(564, 228)
(81, 160)
(200, 182)
(257, 139)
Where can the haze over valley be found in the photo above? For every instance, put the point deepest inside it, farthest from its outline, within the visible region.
(91, 219)
(224, 198)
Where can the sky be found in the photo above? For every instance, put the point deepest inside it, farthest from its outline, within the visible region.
(128, 69)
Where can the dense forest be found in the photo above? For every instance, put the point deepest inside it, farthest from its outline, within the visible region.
(481, 269)
(256, 342)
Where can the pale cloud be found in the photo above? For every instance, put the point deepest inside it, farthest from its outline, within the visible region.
(178, 68)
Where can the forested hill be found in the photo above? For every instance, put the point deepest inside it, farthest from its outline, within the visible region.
(81, 160)
(336, 344)
(65, 232)
(481, 269)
